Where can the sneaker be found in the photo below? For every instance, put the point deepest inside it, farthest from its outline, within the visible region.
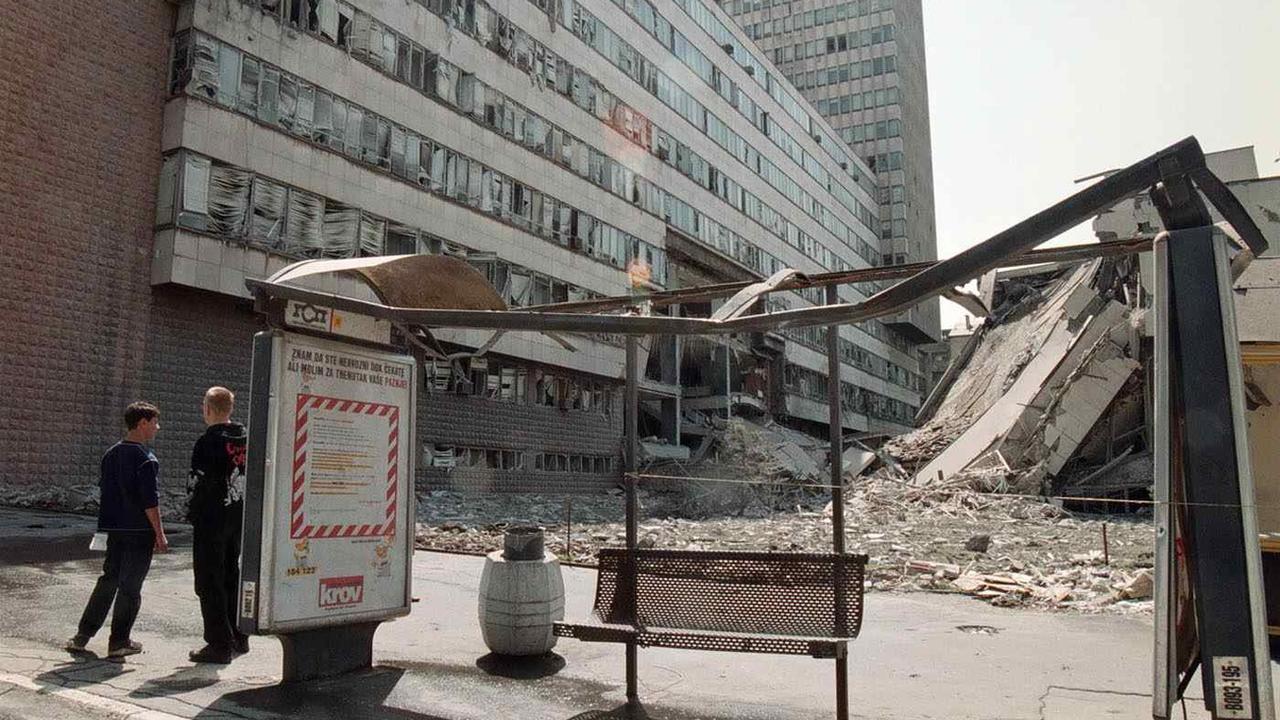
(77, 644)
(241, 645)
(129, 647)
(210, 654)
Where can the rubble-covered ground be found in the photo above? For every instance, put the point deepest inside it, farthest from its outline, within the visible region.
(1006, 549)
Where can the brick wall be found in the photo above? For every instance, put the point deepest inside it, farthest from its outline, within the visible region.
(473, 422)
(80, 122)
(83, 332)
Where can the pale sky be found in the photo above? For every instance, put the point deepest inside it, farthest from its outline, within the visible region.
(1027, 95)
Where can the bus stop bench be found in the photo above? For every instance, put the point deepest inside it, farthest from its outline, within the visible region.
(779, 603)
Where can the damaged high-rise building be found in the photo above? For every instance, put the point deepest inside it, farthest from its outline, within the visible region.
(158, 153)
(862, 65)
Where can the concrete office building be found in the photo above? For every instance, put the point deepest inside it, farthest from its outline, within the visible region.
(160, 153)
(862, 65)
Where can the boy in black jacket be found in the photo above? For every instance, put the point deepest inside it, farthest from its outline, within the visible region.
(215, 507)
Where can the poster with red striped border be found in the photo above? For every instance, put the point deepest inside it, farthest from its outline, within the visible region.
(307, 446)
(341, 473)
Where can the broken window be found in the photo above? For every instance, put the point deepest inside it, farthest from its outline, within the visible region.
(397, 151)
(304, 222)
(322, 128)
(372, 232)
(520, 284)
(268, 212)
(416, 59)
(326, 18)
(401, 240)
(346, 18)
(228, 76)
(194, 209)
(269, 96)
(341, 229)
(444, 80)
(304, 118)
(168, 189)
(228, 200)
(288, 101)
(403, 56)
(355, 126)
(412, 158)
(441, 158)
(204, 67)
(247, 97)
(180, 63)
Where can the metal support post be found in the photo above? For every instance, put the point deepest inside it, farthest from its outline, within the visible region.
(631, 434)
(835, 423)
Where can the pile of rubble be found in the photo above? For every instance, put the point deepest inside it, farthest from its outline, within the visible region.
(1007, 550)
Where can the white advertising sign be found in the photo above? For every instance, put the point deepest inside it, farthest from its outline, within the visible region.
(336, 534)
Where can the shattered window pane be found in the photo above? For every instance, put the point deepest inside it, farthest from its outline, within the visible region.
(439, 167)
(322, 129)
(355, 127)
(204, 67)
(341, 230)
(416, 60)
(288, 107)
(247, 100)
(195, 186)
(345, 15)
(168, 189)
(384, 144)
(372, 231)
(267, 220)
(269, 96)
(412, 169)
(180, 63)
(228, 76)
(228, 200)
(401, 239)
(397, 152)
(326, 12)
(520, 284)
(336, 140)
(369, 138)
(303, 122)
(304, 225)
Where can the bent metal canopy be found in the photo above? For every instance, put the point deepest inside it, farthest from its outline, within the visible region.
(440, 292)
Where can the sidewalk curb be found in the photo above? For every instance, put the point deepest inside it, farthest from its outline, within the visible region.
(88, 699)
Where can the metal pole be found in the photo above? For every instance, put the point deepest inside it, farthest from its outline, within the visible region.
(836, 434)
(632, 448)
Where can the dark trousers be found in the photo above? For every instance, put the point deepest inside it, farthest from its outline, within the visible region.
(123, 571)
(215, 556)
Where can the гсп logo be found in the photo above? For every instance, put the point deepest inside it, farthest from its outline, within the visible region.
(341, 591)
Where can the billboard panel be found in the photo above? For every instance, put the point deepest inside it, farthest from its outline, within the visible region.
(331, 516)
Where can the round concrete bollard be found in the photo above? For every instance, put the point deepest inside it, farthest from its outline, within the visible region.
(521, 596)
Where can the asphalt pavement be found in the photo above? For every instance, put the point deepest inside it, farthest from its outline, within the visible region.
(919, 656)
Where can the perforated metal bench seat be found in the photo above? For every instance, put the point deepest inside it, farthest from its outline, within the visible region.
(818, 647)
(778, 603)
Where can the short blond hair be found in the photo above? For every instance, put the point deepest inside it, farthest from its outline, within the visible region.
(219, 400)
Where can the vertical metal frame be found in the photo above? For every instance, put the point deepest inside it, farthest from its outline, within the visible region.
(1199, 400)
(1165, 672)
(1248, 493)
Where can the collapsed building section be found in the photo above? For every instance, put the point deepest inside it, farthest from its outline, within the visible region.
(1027, 391)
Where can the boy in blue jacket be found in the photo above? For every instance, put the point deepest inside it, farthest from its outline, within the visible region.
(129, 513)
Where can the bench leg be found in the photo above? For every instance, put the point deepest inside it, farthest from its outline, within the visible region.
(842, 687)
(633, 693)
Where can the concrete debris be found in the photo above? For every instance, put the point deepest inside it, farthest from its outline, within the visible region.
(978, 543)
(1038, 555)
(1047, 366)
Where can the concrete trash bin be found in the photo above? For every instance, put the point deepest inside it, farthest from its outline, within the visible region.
(521, 595)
